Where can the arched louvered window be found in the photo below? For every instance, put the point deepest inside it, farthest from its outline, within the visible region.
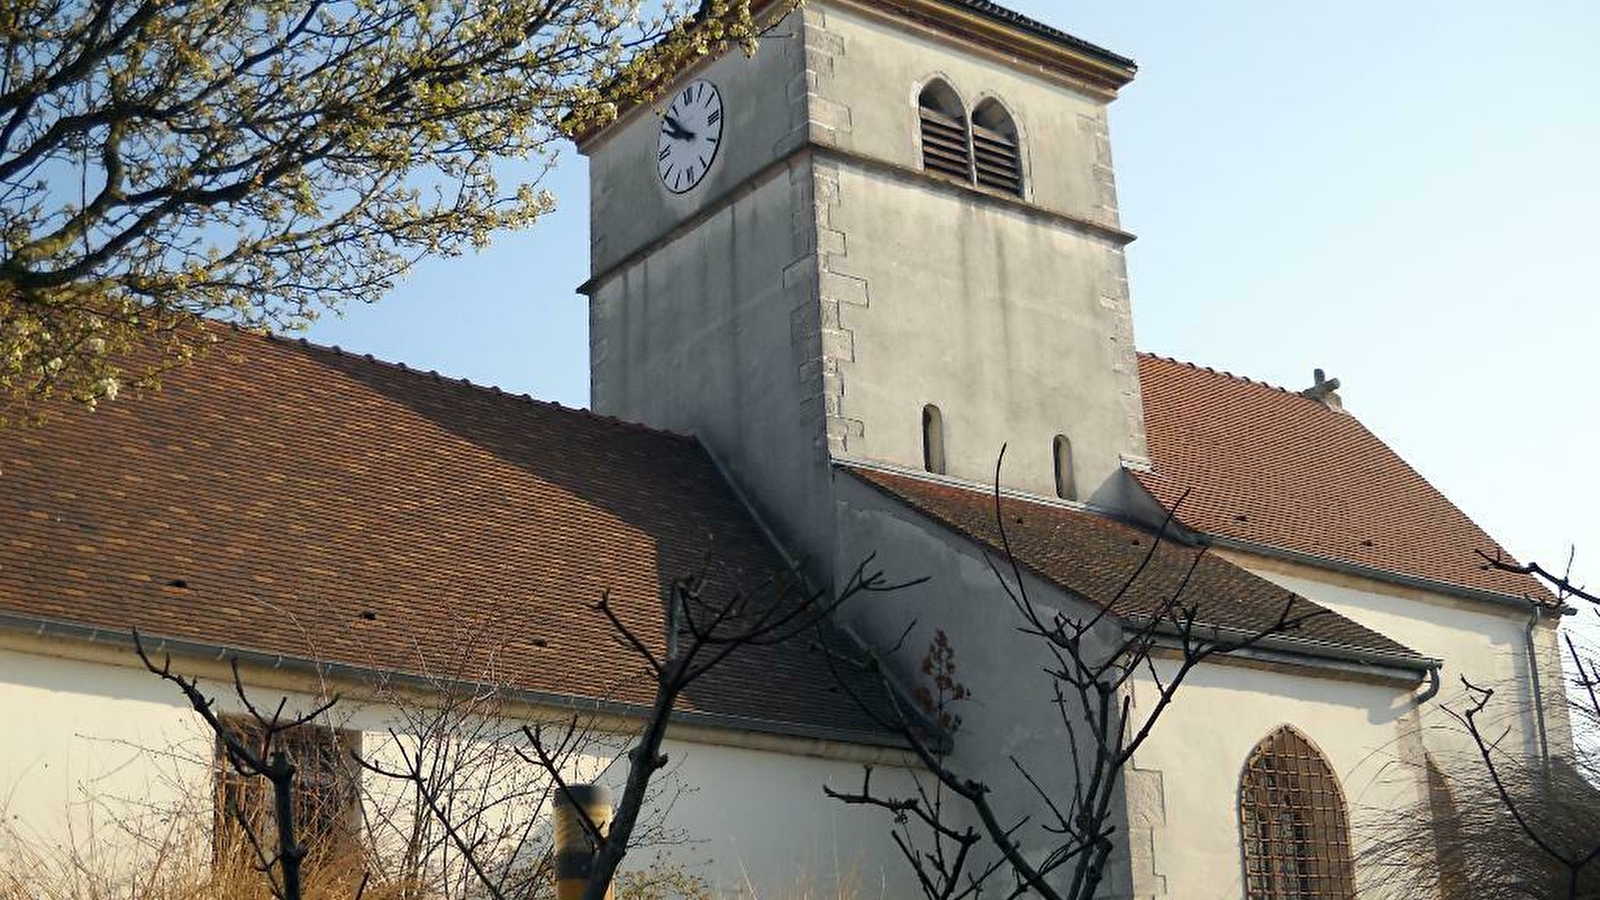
(933, 439)
(996, 149)
(1061, 450)
(945, 146)
(1294, 826)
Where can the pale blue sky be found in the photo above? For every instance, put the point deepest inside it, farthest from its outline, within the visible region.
(1400, 193)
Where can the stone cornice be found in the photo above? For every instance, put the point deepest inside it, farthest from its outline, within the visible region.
(1075, 64)
(1086, 66)
(713, 207)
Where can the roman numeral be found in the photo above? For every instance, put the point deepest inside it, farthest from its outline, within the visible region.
(665, 152)
(715, 117)
(688, 95)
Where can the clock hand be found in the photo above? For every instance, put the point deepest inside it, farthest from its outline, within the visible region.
(675, 130)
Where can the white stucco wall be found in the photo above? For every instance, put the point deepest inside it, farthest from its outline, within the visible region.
(89, 742)
(1181, 837)
(1481, 641)
(76, 742)
(1188, 773)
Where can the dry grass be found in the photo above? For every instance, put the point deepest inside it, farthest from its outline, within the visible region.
(180, 874)
(180, 870)
(174, 871)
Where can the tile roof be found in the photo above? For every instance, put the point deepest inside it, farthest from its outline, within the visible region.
(1000, 13)
(1093, 556)
(289, 499)
(1268, 466)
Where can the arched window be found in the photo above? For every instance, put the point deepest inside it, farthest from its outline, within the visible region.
(945, 146)
(997, 151)
(1294, 827)
(1066, 489)
(933, 439)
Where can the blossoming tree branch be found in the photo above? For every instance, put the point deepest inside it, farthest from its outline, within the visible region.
(260, 161)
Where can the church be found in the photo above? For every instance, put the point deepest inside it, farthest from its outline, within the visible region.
(829, 283)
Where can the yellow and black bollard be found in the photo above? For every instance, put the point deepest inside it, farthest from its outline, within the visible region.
(574, 849)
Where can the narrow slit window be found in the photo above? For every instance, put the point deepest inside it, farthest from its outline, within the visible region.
(997, 151)
(1293, 823)
(946, 148)
(933, 440)
(1066, 488)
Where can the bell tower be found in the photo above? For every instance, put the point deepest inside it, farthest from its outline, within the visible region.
(897, 244)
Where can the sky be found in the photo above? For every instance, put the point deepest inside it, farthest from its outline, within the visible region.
(1403, 194)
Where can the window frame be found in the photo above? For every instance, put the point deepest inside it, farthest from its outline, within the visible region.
(935, 461)
(1066, 478)
(939, 104)
(997, 136)
(948, 111)
(1287, 781)
(336, 774)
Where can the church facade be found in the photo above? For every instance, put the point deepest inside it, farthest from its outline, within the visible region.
(830, 283)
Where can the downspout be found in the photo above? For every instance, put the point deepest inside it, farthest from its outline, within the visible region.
(1432, 689)
(1538, 688)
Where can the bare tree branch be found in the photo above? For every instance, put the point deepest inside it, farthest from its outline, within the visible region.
(1093, 659)
(283, 867)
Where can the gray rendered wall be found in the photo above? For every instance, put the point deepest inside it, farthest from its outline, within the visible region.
(817, 290)
(1012, 317)
(764, 104)
(698, 339)
(703, 315)
(1010, 714)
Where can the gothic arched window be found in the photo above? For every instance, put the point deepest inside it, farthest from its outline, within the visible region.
(996, 148)
(1294, 826)
(933, 439)
(1062, 453)
(946, 148)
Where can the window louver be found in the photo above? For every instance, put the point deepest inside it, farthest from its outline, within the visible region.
(999, 165)
(944, 144)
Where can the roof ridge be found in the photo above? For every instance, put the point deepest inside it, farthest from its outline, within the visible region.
(486, 389)
(999, 13)
(1224, 373)
(1176, 391)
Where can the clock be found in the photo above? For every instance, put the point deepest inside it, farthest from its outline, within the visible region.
(691, 133)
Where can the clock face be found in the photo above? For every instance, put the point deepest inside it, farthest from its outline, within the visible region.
(691, 132)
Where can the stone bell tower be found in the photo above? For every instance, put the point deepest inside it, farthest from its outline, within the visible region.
(896, 244)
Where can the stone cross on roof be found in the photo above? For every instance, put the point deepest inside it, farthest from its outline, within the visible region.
(1324, 391)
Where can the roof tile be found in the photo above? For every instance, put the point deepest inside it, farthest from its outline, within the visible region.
(1095, 557)
(285, 498)
(1269, 466)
